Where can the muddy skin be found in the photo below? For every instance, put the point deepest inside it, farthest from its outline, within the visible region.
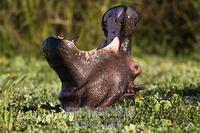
(100, 77)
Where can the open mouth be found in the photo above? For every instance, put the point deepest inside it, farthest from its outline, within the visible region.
(84, 74)
(118, 21)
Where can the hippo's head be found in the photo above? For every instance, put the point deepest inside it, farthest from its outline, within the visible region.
(100, 77)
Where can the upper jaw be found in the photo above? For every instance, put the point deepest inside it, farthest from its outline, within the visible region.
(130, 22)
(112, 21)
(119, 21)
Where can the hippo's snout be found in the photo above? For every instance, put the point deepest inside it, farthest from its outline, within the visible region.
(131, 20)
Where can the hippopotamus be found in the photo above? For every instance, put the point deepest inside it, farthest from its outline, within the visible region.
(99, 77)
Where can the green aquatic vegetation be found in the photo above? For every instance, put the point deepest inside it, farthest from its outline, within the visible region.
(170, 102)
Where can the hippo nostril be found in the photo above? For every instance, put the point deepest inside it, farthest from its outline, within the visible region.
(115, 20)
(113, 32)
